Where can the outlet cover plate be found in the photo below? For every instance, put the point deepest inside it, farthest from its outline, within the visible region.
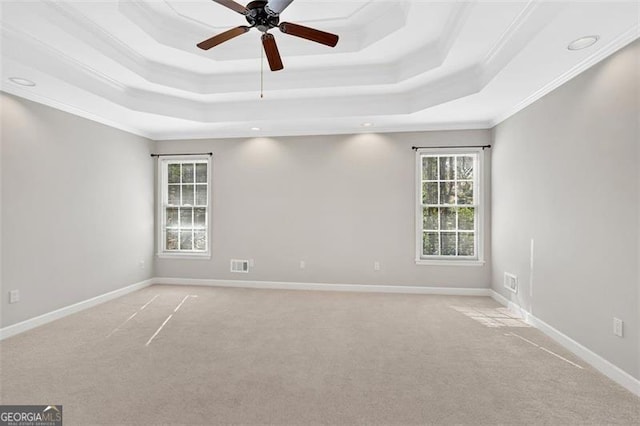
(618, 327)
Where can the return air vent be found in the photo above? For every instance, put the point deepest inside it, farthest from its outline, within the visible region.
(511, 282)
(238, 265)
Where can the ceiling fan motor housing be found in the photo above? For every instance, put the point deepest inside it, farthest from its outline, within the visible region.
(259, 18)
(265, 15)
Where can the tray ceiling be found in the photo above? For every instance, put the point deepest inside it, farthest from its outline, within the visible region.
(400, 65)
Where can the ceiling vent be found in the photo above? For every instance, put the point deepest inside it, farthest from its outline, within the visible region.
(238, 265)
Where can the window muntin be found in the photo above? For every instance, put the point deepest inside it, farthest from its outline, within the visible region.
(449, 207)
(185, 206)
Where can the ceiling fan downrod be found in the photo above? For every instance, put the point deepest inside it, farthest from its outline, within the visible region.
(265, 15)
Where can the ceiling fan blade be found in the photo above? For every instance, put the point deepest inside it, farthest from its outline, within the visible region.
(222, 37)
(233, 6)
(309, 33)
(275, 7)
(271, 50)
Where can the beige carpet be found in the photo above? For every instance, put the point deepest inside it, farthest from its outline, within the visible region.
(291, 357)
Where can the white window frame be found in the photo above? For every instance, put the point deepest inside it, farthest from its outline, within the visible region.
(478, 188)
(162, 182)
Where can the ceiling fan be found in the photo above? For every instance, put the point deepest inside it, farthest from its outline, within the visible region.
(265, 15)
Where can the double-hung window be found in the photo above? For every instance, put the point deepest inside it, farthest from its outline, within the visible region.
(449, 206)
(184, 206)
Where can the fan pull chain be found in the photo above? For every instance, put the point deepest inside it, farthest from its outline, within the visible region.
(261, 72)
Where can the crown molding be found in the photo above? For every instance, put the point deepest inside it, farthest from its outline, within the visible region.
(399, 88)
(71, 109)
(509, 32)
(411, 98)
(316, 131)
(78, 24)
(161, 25)
(616, 44)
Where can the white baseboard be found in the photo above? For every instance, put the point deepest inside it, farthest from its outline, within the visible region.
(23, 326)
(513, 307)
(599, 363)
(282, 285)
(608, 369)
(499, 298)
(31, 323)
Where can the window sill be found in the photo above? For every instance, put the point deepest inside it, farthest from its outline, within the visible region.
(443, 262)
(197, 256)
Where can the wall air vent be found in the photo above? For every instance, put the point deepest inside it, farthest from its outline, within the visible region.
(238, 265)
(511, 282)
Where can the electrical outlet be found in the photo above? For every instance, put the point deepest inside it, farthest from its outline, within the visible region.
(252, 263)
(376, 266)
(618, 327)
(14, 296)
(303, 264)
(141, 264)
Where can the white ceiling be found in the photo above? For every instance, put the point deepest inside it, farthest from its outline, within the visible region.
(401, 65)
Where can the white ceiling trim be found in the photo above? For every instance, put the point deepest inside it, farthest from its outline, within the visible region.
(174, 31)
(223, 133)
(451, 65)
(616, 44)
(405, 128)
(513, 28)
(531, 21)
(341, 20)
(72, 109)
(76, 23)
(404, 100)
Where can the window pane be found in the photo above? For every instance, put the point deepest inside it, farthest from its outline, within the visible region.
(466, 218)
(465, 192)
(187, 195)
(187, 173)
(449, 184)
(430, 193)
(200, 240)
(430, 244)
(174, 195)
(466, 244)
(201, 173)
(186, 217)
(172, 217)
(446, 168)
(199, 218)
(186, 226)
(430, 218)
(172, 240)
(174, 173)
(448, 218)
(465, 168)
(430, 168)
(448, 243)
(447, 193)
(201, 195)
(186, 240)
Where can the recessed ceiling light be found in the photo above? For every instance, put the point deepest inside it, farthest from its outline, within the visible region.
(22, 81)
(255, 129)
(367, 124)
(583, 42)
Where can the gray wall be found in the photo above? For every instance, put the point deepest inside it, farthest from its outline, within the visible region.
(565, 173)
(77, 208)
(339, 203)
